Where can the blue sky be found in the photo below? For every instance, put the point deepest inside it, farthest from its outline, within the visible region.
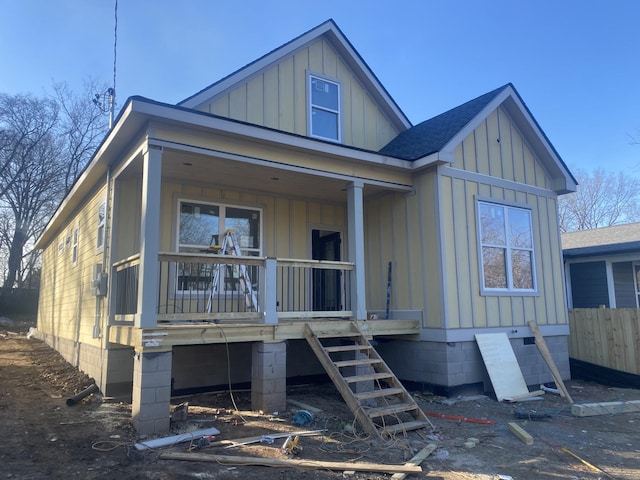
(575, 63)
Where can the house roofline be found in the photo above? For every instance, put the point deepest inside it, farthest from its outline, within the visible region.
(139, 111)
(602, 250)
(518, 110)
(339, 41)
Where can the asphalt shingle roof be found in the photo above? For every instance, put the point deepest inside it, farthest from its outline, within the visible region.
(605, 240)
(431, 135)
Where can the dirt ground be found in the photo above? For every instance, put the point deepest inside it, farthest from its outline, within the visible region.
(43, 438)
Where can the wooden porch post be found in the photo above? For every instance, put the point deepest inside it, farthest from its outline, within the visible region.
(268, 283)
(149, 238)
(355, 230)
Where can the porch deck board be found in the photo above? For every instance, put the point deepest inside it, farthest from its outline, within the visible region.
(165, 336)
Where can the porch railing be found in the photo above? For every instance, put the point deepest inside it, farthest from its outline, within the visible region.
(208, 287)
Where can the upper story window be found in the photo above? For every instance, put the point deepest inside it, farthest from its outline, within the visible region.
(324, 108)
(506, 249)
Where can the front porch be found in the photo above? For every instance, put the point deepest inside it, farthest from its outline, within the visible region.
(210, 299)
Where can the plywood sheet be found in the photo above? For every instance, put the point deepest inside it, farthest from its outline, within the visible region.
(504, 371)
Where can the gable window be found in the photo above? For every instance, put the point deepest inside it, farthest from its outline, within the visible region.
(324, 108)
(102, 210)
(506, 248)
(201, 225)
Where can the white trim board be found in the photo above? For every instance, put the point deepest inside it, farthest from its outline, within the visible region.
(504, 371)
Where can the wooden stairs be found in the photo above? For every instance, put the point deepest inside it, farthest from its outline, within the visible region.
(376, 397)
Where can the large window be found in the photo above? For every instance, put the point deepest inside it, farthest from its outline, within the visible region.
(506, 248)
(201, 225)
(324, 108)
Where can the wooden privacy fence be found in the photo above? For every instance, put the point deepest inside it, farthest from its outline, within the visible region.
(609, 337)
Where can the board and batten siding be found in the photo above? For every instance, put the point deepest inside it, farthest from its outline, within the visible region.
(276, 97)
(286, 222)
(402, 229)
(498, 165)
(67, 306)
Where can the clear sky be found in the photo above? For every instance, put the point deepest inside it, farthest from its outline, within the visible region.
(576, 63)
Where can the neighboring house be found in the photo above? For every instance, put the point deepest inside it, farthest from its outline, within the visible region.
(602, 267)
(304, 154)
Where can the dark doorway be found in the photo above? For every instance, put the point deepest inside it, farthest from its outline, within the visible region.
(325, 245)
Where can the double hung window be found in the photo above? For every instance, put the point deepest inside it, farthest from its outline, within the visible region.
(506, 248)
(324, 108)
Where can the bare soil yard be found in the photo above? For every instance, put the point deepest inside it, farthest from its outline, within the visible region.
(43, 438)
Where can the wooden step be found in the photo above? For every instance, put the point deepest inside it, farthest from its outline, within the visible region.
(382, 392)
(354, 363)
(346, 348)
(367, 378)
(327, 334)
(391, 409)
(405, 427)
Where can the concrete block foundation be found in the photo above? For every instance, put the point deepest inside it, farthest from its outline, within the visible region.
(151, 396)
(269, 376)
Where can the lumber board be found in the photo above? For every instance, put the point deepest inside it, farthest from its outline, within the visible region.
(304, 406)
(526, 396)
(604, 408)
(521, 433)
(502, 365)
(291, 463)
(544, 351)
(416, 460)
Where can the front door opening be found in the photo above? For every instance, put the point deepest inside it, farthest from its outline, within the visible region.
(325, 245)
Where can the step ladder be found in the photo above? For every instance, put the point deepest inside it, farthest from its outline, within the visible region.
(380, 403)
(230, 246)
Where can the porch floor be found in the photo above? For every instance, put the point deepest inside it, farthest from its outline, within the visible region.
(164, 337)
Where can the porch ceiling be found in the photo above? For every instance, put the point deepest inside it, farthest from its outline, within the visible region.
(193, 168)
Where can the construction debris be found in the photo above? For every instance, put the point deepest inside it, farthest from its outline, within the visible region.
(521, 433)
(417, 460)
(175, 439)
(605, 408)
(291, 463)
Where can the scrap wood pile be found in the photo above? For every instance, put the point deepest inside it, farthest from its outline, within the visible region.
(286, 449)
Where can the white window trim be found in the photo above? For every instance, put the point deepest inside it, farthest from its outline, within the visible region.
(635, 265)
(310, 106)
(75, 245)
(101, 226)
(509, 291)
(222, 216)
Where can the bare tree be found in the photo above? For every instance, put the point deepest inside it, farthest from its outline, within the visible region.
(601, 200)
(45, 144)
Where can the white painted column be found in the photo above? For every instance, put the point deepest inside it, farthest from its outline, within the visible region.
(269, 291)
(149, 239)
(355, 230)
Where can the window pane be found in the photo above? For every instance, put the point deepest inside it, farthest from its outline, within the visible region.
(520, 228)
(324, 124)
(495, 273)
(324, 94)
(522, 270)
(198, 222)
(492, 224)
(246, 225)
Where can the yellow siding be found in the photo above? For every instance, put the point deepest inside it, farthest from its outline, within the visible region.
(403, 229)
(497, 148)
(286, 222)
(472, 310)
(67, 306)
(276, 97)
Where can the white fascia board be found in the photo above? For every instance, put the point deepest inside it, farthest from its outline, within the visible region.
(227, 126)
(340, 42)
(96, 167)
(563, 181)
(436, 158)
